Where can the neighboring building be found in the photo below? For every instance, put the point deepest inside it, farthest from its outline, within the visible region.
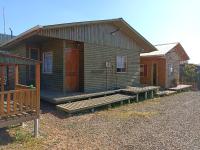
(162, 67)
(4, 38)
(84, 56)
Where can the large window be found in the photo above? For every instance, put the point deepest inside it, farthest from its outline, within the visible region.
(143, 70)
(47, 62)
(121, 64)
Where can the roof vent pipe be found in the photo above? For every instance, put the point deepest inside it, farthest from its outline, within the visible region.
(11, 33)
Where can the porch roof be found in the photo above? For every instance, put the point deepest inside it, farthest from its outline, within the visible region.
(9, 59)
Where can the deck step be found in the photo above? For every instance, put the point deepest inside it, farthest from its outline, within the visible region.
(137, 90)
(165, 93)
(93, 103)
(181, 87)
(80, 97)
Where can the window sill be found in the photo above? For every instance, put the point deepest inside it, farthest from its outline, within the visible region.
(121, 72)
(47, 73)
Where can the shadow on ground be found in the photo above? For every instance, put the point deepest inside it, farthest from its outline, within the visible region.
(5, 137)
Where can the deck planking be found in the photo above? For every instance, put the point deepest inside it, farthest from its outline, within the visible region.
(165, 93)
(180, 87)
(137, 90)
(60, 99)
(93, 103)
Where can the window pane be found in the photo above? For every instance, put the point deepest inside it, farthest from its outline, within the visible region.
(121, 63)
(47, 62)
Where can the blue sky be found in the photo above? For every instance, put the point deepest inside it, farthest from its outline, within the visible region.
(159, 21)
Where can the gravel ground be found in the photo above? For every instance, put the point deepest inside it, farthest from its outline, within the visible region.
(171, 122)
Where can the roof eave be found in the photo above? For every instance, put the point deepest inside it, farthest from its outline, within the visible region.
(148, 47)
(22, 36)
(162, 55)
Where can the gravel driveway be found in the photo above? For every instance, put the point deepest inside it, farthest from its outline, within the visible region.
(171, 122)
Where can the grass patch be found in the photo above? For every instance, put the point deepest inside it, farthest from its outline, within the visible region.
(22, 139)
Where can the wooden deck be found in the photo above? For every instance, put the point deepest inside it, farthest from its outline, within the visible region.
(94, 102)
(181, 87)
(141, 90)
(165, 93)
(60, 98)
(18, 118)
(18, 105)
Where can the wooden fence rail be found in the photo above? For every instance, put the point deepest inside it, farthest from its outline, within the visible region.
(18, 102)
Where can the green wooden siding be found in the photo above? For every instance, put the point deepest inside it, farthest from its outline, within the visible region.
(92, 33)
(53, 81)
(95, 78)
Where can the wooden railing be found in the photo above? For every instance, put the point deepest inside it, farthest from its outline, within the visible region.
(18, 102)
(20, 86)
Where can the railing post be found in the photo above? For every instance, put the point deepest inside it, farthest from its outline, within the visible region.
(36, 128)
(37, 80)
(2, 78)
(16, 75)
(37, 83)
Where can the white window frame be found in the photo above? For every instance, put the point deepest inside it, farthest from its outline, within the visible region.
(44, 70)
(119, 64)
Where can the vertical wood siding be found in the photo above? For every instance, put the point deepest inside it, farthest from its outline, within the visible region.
(95, 57)
(53, 81)
(161, 70)
(99, 34)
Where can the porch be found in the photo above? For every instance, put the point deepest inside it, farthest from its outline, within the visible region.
(18, 103)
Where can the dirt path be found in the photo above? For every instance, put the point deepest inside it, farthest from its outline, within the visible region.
(166, 123)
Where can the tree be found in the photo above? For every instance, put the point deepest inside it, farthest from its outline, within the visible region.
(190, 73)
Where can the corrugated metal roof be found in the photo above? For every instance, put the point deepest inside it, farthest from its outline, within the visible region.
(162, 49)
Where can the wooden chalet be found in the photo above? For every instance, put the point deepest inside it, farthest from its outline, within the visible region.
(162, 67)
(86, 57)
(18, 103)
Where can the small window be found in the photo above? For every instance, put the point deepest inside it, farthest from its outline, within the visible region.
(47, 62)
(121, 64)
(143, 70)
(170, 69)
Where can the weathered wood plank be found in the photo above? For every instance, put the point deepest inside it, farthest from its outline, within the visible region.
(180, 87)
(92, 103)
(8, 103)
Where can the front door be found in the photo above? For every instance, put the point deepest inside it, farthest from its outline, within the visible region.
(72, 69)
(154, 73)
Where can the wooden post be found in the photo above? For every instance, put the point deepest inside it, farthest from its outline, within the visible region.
(36, 128)
(137, 98)
(152, 94)
(129, 101)
(109, 106)
(121, 102)
(2, 78)
(37, 84)
(16, 75)
(145, 95)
